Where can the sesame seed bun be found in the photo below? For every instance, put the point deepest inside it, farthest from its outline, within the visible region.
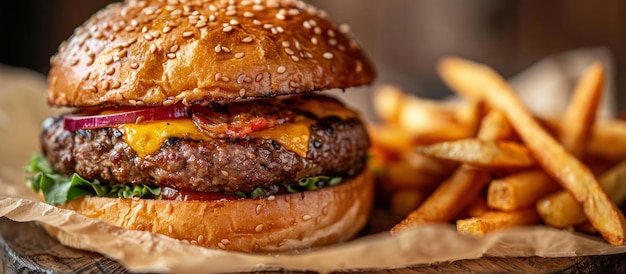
(156, 53)
(269, 224)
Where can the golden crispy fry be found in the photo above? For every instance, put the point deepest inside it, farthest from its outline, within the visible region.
(477, 208)
(519, 190)
(577, 123)
(496, 220)
(498, 127)
(449, 198)
(454, 194)
(390, 137)
(387, 101)
(561, 210)
(608, 140)
(481, 82)
(403, 201)
(424, 174)
(484, 154)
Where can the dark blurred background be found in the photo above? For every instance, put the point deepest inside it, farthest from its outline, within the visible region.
(403, 37)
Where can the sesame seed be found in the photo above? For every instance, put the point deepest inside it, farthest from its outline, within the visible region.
(242, 92)
(225, 173)
(293, 84)
(225, 79)
(187, 34)
(168, 102)
(258, 7)
(170, 229)
(144, 29)
(225, 241)
(212, 17)
(231, 12)
(218, 76)
(306, 24)
(328, 55)
(139, 227)
(194, 242)
(281, 69)
(289, 51)
(259, 228)
(104, 85)
(200, 239)
(280, 29)
(248, 14)
(317, 30)
(313, 23)
(258, 209)
(91, 89)
(344, 28)
(134, 65)
(295, 58)
(201, 24)
(331, 33)
(74, 62)
(268, 26)
(171, 55)
(131, 41)
(221, 245)
(359, 66)
(271, 198)
(286, 44)
(132, 102)
(218, 48)
(174, 48)
(110, 71)
(246, 39)
(140, 118)
(226, 49)
(332, 42)
(306, 217)
(280, 16)
(121, 53)
(134, 23)
(274, 30)
(293, 12)
(109, 60)
(318, 220)
(341, 47)
(153, 48)
(185, 241)
(234, 22)
(256, 22)
(227, 29)
(314, 40)
(297, 44)
(90, 61)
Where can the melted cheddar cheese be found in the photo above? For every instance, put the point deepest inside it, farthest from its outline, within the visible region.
(147, 137)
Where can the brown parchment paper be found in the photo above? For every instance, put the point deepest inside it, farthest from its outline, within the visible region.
(22, 109)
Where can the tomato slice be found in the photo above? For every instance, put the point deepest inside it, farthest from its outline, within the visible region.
(76, 122)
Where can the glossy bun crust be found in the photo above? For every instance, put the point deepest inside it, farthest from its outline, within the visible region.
(158, 52)
(270, 224)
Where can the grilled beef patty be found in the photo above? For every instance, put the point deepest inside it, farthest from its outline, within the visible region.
(336, 148)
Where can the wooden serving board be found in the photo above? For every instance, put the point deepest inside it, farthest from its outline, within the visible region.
(27, 248)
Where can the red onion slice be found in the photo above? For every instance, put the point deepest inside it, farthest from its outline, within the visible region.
(75, 122)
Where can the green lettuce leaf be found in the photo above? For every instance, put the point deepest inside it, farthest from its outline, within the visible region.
(58, 189)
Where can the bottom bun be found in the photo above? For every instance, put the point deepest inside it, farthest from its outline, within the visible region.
(269, 224)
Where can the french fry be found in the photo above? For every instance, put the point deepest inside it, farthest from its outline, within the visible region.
(484, 154)
(424, 174)
(577, 123)
(498, 129)
(496, 220)
(448, 200)
(390, 137)
(608, 140)
(561, 210)
(403, 201)
(481, 82)
(519, 190)
(477, 208)
(454, 194)
(386, 101)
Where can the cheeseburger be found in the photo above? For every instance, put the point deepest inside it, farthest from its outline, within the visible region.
(200, 120)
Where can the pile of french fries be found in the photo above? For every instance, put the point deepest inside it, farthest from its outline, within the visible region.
(485, 162)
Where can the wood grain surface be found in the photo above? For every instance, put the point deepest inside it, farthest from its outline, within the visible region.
(26, 248)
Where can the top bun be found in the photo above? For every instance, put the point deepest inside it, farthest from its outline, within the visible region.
(161, 52)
